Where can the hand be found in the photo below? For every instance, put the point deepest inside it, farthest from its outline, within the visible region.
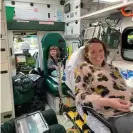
(96, 101)
(119, 104)
(56, 67)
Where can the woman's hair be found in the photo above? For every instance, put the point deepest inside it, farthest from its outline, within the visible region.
(57, 51)
(86, 49)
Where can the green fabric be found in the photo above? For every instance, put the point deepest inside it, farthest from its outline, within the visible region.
(21, 98)
(23, 89)
(54, 73)
(57, 128)
(53, 87)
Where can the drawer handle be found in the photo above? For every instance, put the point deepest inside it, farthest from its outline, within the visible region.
(11, 51)
(2, 49)
(8, 116)
(3, 72)
(0, 35)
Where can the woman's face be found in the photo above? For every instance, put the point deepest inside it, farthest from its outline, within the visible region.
(96, 53)
(53, 53)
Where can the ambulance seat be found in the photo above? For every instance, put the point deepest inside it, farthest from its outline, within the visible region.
(47, 41)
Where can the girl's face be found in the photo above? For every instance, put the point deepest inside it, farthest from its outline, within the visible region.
(96, 54)
(53, 53)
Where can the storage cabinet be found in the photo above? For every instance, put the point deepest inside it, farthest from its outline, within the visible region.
(6, 104)
(3, 50)
(6, 91)
(2, 28)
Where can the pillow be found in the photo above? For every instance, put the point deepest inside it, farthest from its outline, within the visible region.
(72, 63)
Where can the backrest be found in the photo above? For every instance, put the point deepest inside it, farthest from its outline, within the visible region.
(75, 59)
(49, 40)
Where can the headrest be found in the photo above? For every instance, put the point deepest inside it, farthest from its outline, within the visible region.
(49, 40)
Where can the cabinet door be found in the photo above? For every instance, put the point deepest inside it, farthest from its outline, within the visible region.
(1, 9)
(3, 51)
(0, 5)
(2, 16)
(2, 28)
(6, 101)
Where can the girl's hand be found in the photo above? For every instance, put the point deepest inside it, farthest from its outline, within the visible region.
(56, 67)
(119, 104)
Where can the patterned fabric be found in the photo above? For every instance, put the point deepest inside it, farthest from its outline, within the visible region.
(51, 65)
(103, 81)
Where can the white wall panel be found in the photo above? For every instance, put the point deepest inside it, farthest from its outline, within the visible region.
(40, 11)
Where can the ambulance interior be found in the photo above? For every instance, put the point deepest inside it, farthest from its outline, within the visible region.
(27, 35)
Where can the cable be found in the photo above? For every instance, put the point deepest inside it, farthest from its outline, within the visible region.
(115, 24)
(95, 26)
(94, 31)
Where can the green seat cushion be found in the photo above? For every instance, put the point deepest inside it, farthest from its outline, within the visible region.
(52, 87)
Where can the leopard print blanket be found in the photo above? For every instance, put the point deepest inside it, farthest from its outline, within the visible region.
(103, 81)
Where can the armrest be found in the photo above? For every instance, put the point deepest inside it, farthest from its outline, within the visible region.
(100, 118)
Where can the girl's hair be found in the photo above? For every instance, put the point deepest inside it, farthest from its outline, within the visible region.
(57, 51)
(86, 49)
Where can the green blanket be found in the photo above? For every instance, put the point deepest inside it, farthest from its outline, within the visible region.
(23, 89)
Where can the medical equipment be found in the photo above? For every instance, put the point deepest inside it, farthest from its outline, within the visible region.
(31, 123)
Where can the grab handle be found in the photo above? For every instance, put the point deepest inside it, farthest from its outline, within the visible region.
(124, 13)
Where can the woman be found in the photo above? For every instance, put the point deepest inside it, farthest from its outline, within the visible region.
(100, 85)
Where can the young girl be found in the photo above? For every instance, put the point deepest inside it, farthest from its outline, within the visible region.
(53, 59)
(52, 64)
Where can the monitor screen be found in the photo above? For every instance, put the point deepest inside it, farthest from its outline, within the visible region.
(21, 59)
(130, 38)
(32, 124)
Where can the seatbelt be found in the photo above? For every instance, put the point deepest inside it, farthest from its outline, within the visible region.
(60, 88)
(60, 83)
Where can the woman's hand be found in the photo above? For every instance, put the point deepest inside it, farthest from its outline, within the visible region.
(119, 104)
(115, 103)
